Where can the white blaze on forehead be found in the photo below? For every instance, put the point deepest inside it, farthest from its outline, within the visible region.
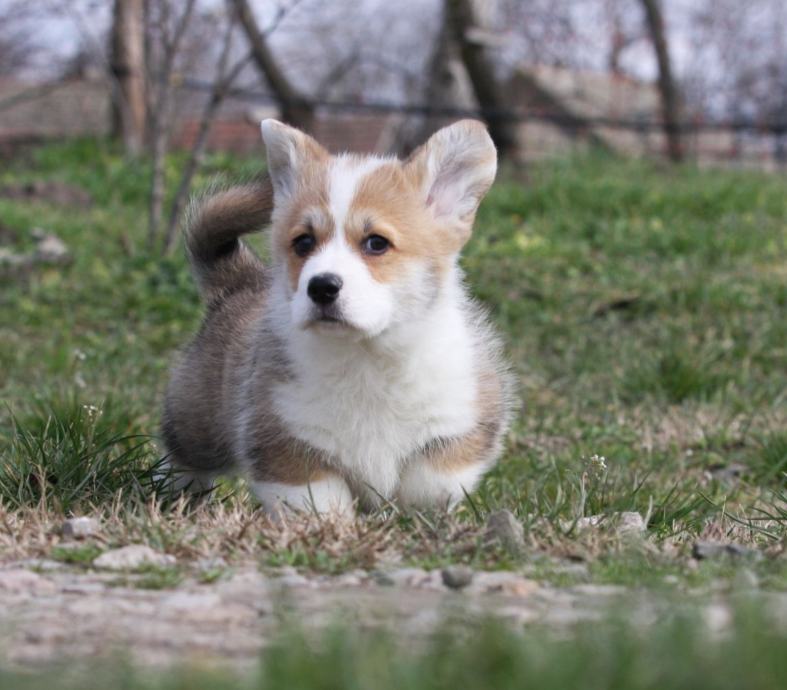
(345, 175)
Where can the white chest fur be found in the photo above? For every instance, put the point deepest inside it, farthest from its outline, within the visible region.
(370, 404)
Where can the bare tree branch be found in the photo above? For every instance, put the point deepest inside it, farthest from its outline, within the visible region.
(295, 108)
(161, 112)
(221, 86)
(223, 82)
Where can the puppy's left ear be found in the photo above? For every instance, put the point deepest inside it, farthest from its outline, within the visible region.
(454, 170)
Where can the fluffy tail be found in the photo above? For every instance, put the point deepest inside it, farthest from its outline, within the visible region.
(222, 263)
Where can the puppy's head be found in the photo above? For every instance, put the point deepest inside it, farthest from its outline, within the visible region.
(362, 242)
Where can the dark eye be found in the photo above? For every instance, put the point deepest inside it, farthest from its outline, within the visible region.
(303, 244)
(375, 244)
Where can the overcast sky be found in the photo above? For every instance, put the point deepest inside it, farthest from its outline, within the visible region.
(63, 32)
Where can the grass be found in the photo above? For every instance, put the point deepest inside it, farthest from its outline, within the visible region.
(65, 452)
(675, 652)
(643, 309)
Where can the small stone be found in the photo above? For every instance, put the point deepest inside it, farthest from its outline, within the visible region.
(383, 578)
(702, 550)
(740, 551)
(286, 570)
(572, 570)
(210, 564)
(347, 580)
(408, 577)
(509, 584)
(599, 591)
(51, 249)
(631, 522)
(623, 523)
(728, 473)
(352, 578)
(589, 521)
(457, 576)
(41, 565)
(85, 589)
(190, 601)
(79, 528)
(19, 581)
(132, 558)
(294, 580)
(505, 528)
(204, 609)
(434, 581)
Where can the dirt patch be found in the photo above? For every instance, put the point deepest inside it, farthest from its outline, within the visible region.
(48, 611)
(51, 191)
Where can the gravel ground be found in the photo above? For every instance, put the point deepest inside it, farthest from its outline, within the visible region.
(49, 611)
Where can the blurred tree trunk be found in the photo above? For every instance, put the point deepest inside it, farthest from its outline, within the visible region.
(670, 99)
(461, 18)
(296, 110)
(169, 38)
(127, 63)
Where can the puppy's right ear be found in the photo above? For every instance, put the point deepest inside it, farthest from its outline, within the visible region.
(290, 152)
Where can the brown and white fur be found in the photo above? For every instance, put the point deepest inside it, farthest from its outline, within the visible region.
(390, 387)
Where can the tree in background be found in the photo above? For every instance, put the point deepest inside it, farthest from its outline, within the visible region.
(127, 67)
(165, 31)
(168, 45)
(296, 109)
(360, 54)
(739, 59)
(621, 36)
(16, 47)
(668, 90)
(464, 26)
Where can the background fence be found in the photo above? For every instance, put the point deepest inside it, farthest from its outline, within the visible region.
(80, 107)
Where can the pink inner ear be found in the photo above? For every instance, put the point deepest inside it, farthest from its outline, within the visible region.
(441, 199)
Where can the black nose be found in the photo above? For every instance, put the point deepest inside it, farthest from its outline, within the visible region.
(324, 288)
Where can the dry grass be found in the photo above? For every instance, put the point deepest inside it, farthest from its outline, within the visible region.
(234, 532)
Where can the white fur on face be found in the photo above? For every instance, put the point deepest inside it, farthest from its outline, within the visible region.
(364, 303)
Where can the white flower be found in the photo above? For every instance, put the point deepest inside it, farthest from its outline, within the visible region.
(92, 411)
(597, 463)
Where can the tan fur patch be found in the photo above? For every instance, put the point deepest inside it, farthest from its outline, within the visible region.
(285, 460)
(387, 203)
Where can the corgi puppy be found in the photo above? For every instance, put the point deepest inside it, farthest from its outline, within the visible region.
(352, 368)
